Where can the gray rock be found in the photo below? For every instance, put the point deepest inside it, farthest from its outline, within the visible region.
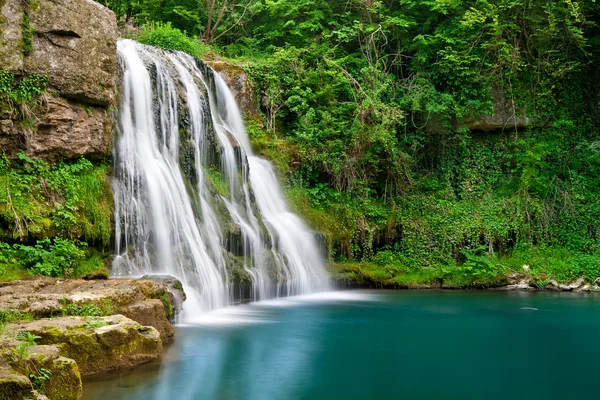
(75, 44)
(579, 282)
(584, 288)
(11, 56)
(564, 287)
(70, 130)
(505, 116)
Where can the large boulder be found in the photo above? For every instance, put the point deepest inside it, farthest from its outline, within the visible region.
(95, 344)
(73, 43)
(65, 349)
(506, 115)
(11, 37)
(235, 77)
(68, 129)
(146, 302)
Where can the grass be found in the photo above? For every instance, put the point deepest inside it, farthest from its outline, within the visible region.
(483, 271)
(10, 316)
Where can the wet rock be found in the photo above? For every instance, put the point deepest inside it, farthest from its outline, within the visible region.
(584, 288)
(564, 287)
(553, 286)
(522, 285)
(175, 291)
(574, 285)
(240, 86)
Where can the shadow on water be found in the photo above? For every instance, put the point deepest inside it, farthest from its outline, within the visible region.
(377, 345)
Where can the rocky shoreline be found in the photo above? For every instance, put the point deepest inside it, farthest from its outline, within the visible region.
(513, 282)
(53, 332)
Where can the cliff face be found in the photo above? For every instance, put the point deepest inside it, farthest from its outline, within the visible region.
(73, 43)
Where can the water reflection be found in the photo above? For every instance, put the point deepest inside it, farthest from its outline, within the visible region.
(385, 345)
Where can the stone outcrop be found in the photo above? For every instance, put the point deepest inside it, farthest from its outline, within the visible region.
(240, 86)
(506, 116)
(73, 43)
(146, 302)
(68, 348)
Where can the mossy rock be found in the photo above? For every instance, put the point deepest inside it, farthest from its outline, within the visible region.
(65, 381)
(13, 386)
(98, 274)
(119, 343)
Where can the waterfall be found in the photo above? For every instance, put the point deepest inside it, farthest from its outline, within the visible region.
(191, 198)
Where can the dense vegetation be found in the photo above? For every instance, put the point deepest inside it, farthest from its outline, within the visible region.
(48, 213)
(365, 109)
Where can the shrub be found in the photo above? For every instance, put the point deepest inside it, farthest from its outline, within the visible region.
(167, 37)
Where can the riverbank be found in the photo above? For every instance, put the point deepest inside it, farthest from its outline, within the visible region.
(53, 332)
(372, 276)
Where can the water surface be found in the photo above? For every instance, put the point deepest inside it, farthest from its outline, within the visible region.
(378, 345)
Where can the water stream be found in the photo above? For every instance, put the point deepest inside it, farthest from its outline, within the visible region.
(378, 345)
(191, 198)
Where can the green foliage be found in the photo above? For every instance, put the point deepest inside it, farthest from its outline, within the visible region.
(27, 340)
(50, 258)
(167, 37)
(69, 200)
(84, 310)
(9, 316)
(26, 34)
(20, 96)
(28, 337)
(95, 324)
(39, 381)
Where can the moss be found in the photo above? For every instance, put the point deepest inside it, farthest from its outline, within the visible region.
(26, 35)
(98, 274)
(65, 381)
(166, 300)
(14, 387)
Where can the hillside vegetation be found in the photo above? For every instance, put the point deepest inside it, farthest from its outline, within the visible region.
(366, 107)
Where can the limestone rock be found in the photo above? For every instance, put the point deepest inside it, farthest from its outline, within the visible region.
(174, 288)
(142, 301)
(121, 343)
(240, 86)
(584, 288)
(65, 379)
(506, 116)
(11, 58)
(75, 44)
(68, 129)
(574, 285)
(522, 285)
(13, 386)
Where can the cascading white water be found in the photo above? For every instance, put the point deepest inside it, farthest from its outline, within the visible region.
(191, 198)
